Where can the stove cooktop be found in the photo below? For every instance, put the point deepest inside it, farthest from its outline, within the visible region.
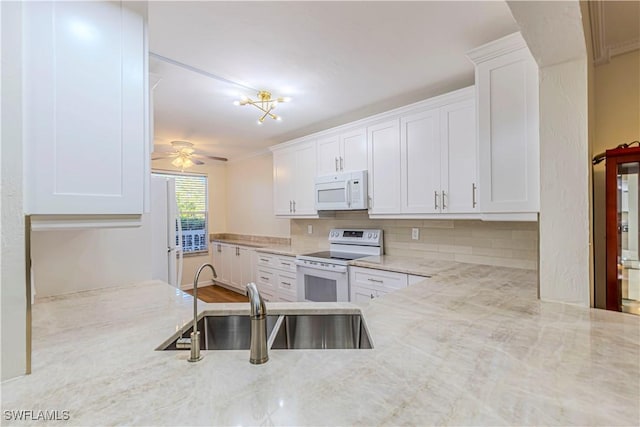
(339, 256)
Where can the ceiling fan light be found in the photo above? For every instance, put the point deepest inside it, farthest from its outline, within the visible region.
(285, 99)
(259, 121)
(278, 118)
(237, 103)
(177, 162)
(187, 163)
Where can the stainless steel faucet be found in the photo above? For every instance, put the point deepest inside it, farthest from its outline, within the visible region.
(195, 335)
(258, 351)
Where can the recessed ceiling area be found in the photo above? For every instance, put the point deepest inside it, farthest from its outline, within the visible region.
(338, 61)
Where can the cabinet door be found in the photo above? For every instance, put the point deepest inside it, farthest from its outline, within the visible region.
(235, 276)
(384, 167)
(420, 163)
(283, 170)
(85, 91)
(217, 258)
(459, 159)
(363, 294)
(354, 150)
(245, 267)
(304, 180)
(509, 164)
(328, 155)
(224, 275)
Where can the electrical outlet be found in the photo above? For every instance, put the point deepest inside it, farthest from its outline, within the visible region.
(415, 233)
(309, 229)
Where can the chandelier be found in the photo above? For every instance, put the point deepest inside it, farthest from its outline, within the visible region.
(265, 104)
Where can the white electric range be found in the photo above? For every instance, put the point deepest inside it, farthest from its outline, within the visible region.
(324, 276)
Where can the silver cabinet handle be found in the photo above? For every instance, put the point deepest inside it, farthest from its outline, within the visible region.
(435, 200)
(341, 166)
(294, 206)
(444, 194)
(286, 283)
(264, 260)
(473, 194)
(371, 296)
(375, 280)
(286, 263)
(336, 163)
(264, 278)
(290, 204)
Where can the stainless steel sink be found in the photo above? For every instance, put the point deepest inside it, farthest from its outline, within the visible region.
(317, 331)
(322, 331)
(222, 332)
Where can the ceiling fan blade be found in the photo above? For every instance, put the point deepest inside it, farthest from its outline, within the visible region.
(197, 162)
(206, 156)
(158, 156)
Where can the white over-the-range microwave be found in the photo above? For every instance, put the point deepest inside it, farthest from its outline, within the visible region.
(342, 191)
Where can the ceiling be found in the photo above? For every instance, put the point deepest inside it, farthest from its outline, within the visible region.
(338, 61)
(615, 28)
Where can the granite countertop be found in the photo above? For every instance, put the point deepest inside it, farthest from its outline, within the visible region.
(408, 265)
(470, 346)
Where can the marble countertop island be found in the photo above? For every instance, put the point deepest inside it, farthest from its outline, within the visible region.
(468, 346)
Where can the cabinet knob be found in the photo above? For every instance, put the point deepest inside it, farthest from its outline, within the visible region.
(371, 296)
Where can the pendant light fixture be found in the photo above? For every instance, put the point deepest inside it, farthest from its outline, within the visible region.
(265, 104)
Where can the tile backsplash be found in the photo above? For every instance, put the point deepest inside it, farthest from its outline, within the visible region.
(507, 244)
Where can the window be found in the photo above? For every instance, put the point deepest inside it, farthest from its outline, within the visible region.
(191, 193)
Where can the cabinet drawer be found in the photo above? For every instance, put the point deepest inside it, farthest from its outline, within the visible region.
(286, 263)
(266, 260)
(287, 283)
(266, 280)
(288, 297)
(378, 279)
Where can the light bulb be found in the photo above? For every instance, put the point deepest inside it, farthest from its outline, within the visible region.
(259, 122)
(236, 102)
(278, 118)
(285, 99)
(187, 163)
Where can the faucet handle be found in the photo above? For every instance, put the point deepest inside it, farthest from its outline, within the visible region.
(258, 309)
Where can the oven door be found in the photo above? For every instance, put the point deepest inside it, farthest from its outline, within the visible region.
(323, 284)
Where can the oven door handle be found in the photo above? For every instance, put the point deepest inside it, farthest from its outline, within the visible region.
(336, 269)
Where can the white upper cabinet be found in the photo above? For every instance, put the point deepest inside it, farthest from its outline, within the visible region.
(384, 167)
(508, 120)
(294, 173)
(342, 152)
(85, 103)
(420, 162)
(459, 178)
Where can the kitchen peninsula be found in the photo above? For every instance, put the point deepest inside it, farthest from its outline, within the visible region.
(470, 345)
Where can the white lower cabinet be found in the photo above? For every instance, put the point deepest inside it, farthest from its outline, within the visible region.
(276, 277)
(234, 265)
(369, 283)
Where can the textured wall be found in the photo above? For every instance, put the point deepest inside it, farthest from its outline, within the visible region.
(564, 183)
(12, 249)
(510, 244)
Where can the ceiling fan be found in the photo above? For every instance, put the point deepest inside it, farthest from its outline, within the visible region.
(184, 155)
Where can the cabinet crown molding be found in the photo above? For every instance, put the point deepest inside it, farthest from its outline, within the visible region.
(433, 102)
(496, 48)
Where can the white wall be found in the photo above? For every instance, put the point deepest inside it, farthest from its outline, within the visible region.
(217, 186)
(78, 260)
(564, 183)
(15, 350)
(250, 198)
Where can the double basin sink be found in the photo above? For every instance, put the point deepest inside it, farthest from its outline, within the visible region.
(284, 332)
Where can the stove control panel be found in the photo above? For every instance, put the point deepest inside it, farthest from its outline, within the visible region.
(365, 237)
